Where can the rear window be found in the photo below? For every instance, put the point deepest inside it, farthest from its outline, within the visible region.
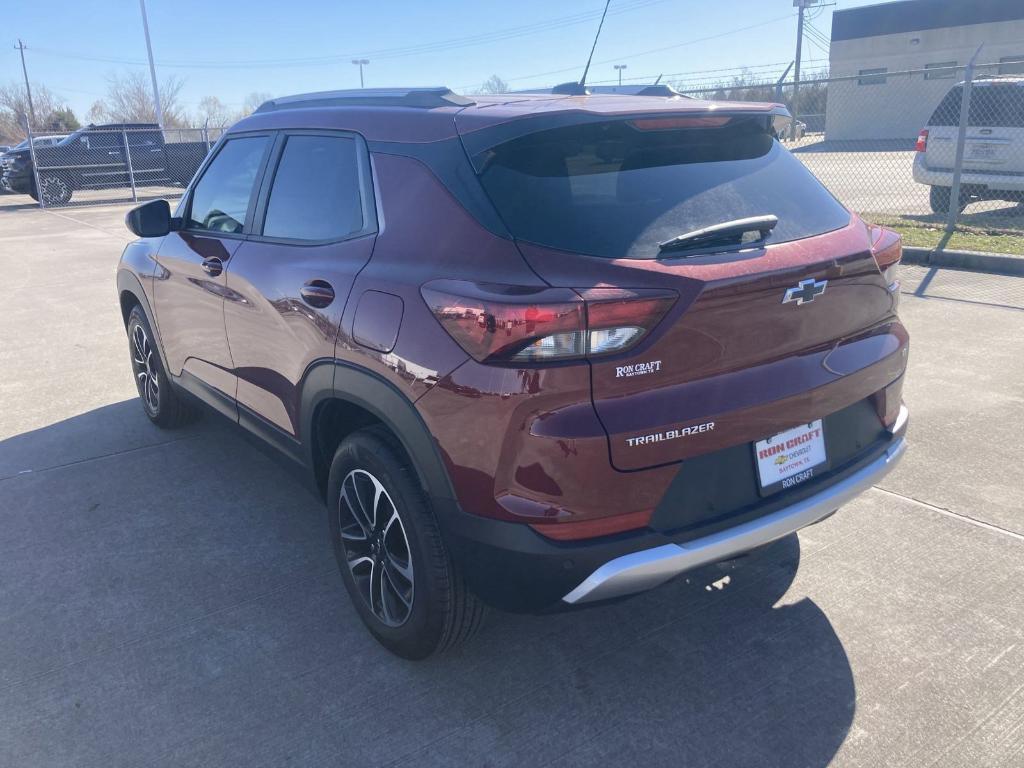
(616, 189)
(992, 106)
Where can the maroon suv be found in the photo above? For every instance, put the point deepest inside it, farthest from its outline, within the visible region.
(534, 350)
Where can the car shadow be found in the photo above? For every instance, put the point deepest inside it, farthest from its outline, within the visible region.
(171, 598)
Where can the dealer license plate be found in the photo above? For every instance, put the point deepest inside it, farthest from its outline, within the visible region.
(791, 457)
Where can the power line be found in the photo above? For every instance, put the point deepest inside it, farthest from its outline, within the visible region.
(383, 53)
(649, 51)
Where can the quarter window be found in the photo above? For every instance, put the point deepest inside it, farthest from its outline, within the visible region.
(315, 195)
(220, 201)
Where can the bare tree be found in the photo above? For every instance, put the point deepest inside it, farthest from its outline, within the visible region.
(51, 114)
(129, 99)
(253, 101)
(493, 84)
(214, 113)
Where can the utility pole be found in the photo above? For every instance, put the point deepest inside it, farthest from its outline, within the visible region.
(620, 67)
(801, 5)
(152, 67)
(359, 63)
(28, 88)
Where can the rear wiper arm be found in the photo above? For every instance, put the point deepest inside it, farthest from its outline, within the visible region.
(728, 233)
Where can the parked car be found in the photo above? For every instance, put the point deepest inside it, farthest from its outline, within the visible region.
(101, 157)
(993, 152)
(532, 351)
(39, 141)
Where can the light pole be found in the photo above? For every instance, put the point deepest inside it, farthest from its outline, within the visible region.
(359, 63)
(28, 88)
(152, 67)
(620, 67)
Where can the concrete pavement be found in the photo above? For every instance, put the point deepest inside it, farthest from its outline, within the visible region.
(171, 599)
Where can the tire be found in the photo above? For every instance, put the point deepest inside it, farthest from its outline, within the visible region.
(401, 579)
(54, 189)
(940, 197)
(161, 402)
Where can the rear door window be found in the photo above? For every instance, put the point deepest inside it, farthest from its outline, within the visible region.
(992, 106)
(316, 190)
(223, 195)
(616, 189)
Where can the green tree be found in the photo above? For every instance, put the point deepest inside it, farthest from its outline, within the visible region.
(62, 120)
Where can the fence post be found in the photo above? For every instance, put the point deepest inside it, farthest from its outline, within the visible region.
(35, 166)
(206, 134)
(961, 141)
(128, 160)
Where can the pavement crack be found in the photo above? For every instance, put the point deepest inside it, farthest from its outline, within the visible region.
(24, 472)
(956, 515)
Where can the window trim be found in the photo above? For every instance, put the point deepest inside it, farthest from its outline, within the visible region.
(880, 73)
(944, 70)
(367, 198)
(184, 210)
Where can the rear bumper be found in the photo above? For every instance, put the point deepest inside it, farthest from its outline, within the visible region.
(514, 568)
(939, 177)
(643, 570)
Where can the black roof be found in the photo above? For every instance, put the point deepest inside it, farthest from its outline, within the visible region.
(919, 15)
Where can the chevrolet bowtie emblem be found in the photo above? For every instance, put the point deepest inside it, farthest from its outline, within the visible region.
(805, 290)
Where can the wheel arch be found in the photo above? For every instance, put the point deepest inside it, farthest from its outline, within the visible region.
(364, 398)
(130, 294)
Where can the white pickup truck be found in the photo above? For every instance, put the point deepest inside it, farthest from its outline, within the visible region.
(993, 152)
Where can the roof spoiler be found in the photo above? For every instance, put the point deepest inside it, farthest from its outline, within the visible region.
(423, 98)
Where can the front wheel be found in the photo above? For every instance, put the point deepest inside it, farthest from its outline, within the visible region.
(162, 404)
(401, 579)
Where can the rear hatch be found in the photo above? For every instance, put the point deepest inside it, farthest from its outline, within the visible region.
(761, 332)
(995, 129)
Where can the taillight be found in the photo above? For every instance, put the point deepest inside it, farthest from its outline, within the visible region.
(887, 248)
(922, 141)
(510, 324)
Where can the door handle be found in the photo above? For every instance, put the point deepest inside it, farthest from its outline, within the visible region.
(317, 293)
(213, 266)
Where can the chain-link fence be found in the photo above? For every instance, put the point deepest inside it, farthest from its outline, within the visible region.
(894, 146)
(107, 164)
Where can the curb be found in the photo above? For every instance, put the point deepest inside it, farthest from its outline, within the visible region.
(993, 263)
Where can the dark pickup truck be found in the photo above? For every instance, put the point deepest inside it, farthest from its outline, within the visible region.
(102, 157)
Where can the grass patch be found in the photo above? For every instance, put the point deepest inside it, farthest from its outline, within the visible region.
(985, 232)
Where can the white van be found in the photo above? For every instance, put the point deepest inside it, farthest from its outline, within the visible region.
(994, 150)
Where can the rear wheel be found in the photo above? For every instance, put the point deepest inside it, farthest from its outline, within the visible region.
(161, 402)
(940, 197)
(54, 189)
(389, 550)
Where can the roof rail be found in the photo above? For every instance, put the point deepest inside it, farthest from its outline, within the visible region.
(425, 98)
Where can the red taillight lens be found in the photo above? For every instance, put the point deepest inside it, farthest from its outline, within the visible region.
(617, 319)
(886, 247)
(510, 324)
(922, 141)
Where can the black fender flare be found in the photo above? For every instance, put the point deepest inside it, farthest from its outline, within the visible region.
(336, 380)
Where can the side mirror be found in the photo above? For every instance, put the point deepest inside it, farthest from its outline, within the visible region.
(152, 219)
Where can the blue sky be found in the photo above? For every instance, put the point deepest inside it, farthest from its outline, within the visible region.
(231, 48)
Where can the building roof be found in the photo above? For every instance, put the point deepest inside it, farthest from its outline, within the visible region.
(920, 15)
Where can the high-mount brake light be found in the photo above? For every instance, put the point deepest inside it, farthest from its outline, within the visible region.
(512, 324)
(673, 123)
(922, 141)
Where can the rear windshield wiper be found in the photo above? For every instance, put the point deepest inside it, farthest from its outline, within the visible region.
(728, 233)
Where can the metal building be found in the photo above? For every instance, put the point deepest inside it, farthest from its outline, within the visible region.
(933, 38)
